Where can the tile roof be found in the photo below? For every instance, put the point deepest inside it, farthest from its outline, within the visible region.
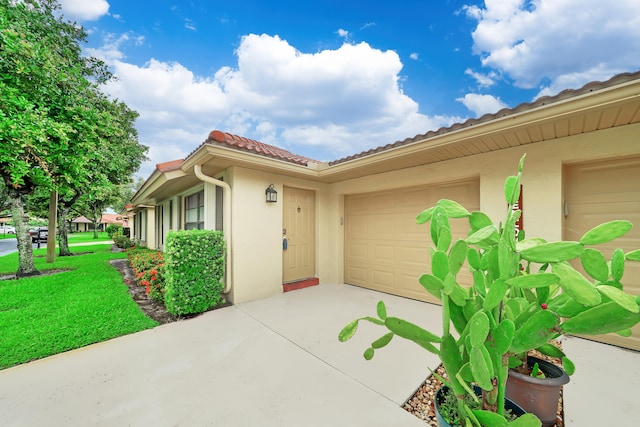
(169, 166)
(255, 147)
(106, 219)
(526, 106)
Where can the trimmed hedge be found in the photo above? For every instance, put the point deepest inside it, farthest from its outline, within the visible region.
(194, 269)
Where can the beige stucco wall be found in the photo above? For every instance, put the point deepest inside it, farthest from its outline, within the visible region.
(256, 233)
(542, 183)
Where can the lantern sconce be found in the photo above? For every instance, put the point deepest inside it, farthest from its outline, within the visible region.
(271, 194)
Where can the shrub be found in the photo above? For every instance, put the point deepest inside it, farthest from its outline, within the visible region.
(194, 271)
(113, 229)
(148, 269)
(121, 241)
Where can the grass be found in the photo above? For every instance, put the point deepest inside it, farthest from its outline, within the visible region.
(83, 237)
(46, 315)
(86, 237)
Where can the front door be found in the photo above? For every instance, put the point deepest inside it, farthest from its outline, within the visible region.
(299, 229)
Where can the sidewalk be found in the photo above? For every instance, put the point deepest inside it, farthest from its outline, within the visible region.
(275, 362)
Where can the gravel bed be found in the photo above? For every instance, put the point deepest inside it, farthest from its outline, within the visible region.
(420, 404)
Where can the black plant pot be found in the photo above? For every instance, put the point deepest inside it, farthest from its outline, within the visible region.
(442, 391)
(539, 396)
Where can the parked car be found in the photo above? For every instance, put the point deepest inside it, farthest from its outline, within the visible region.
(41, 232)
(7, 229)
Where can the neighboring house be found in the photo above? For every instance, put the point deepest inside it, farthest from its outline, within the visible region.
(353, 220)
(82, 223)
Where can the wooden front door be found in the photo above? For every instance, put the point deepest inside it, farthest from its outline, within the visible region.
(299, 228)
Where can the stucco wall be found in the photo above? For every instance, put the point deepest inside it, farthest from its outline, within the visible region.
(256, 232)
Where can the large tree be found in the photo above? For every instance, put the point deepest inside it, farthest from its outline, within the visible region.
(56, 125)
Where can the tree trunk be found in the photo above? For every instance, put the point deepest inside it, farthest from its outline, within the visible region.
(26, 266)
(96, 224)
(63, 242)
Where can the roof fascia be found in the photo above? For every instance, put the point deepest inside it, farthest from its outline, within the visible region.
(543, 113)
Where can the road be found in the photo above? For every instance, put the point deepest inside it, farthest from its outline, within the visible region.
(8, 246)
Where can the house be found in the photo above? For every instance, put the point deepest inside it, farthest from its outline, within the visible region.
(352, 220)
(82, 223)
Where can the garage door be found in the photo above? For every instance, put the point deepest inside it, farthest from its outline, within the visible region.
(385, 249)
(604, 191)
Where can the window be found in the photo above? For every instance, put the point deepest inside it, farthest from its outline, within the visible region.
(170, 214)
(219, 206)
(194, 211)
(141, 225)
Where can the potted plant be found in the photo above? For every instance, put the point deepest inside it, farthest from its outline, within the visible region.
(525, 293)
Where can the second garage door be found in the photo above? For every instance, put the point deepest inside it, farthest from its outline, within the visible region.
(604, 191)
(385, 249)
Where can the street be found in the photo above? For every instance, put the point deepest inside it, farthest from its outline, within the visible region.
(8, 246)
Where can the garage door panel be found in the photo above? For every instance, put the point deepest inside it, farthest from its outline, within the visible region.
(603, 191)
(383, 202)
(397, 249)
(383, 254)
(358, 275)
(382, 225)
(382, 279)
(357, 226)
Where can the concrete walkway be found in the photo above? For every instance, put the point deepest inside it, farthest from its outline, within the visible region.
(273, 362)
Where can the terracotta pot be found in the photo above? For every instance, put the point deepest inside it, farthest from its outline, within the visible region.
(508, 404)
(539, 396)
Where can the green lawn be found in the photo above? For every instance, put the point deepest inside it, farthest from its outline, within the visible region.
(46, 315)
(7, 236)
(85, 237)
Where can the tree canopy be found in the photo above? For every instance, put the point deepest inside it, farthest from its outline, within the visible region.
(57, 129)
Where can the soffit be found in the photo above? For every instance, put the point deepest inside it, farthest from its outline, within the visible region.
(588, 113)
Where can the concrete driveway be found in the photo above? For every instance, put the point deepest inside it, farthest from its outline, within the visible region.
(272, 362)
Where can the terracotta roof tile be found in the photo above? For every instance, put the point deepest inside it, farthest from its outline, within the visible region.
(169, 166)
(246, 144)
(544, 100)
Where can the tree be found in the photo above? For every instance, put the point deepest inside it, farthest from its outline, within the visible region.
(56, 127)
(125, 192)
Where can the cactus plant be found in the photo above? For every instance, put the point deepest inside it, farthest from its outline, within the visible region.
(524, 294)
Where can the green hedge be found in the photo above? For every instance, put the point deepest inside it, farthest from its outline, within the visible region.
(194, 269)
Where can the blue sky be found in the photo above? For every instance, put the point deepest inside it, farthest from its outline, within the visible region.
(327, 79)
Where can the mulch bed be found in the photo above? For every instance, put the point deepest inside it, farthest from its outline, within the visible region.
(152, 308)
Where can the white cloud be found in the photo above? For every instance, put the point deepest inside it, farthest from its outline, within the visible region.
(190, 25)
(414, 56)
(484, 80)
(84, 10)
(324, 105)
(568, 41)
(482, 104)
(343, 33)
(111, 49)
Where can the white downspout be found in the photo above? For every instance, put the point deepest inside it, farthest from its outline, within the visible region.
(226, 221)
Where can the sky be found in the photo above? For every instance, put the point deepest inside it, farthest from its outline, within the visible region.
(328, 79)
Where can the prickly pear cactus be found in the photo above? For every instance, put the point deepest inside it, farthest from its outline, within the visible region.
(525, 293)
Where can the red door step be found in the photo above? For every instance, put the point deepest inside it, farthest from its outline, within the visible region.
(300, 284)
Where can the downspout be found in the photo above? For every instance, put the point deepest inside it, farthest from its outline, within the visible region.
(226, 220)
